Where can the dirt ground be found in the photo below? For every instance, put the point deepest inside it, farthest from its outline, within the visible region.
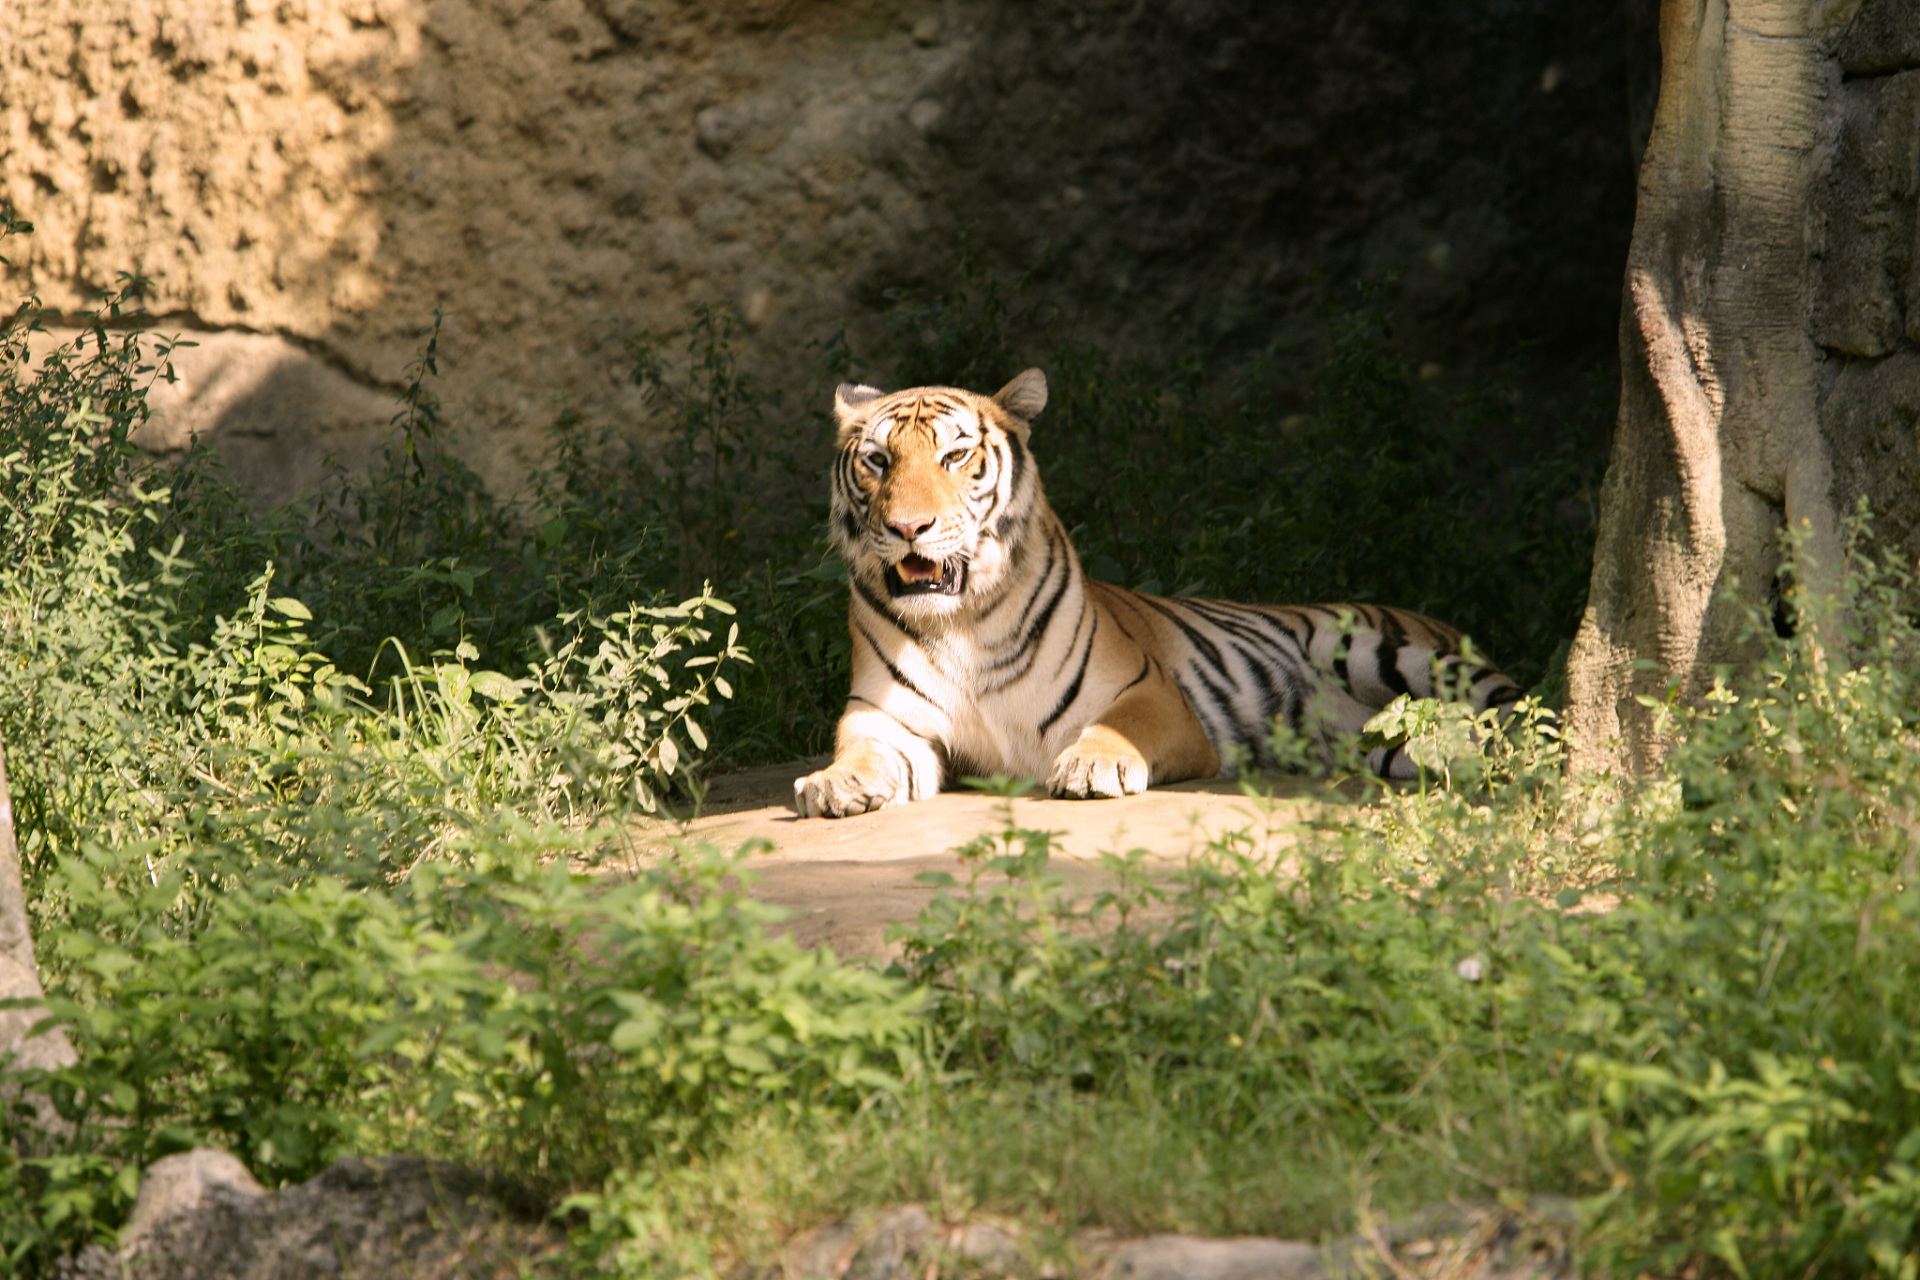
(846, 880)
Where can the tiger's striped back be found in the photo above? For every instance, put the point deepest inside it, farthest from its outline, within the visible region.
(1326, 668)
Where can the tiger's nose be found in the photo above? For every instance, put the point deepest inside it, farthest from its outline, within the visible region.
(911, 527)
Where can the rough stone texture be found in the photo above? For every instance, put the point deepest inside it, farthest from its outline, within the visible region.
(279, 413)
(1866, 273)
(868, 1247)
(371, 1219)
(1871, 419)
(200, 1216)
(1193, 1258)
(1769, 343)
(892, 1246)
(1863, 221)
(1234, 163)
(189, 1182)
(550, 171)
(989, 1248)
(1884, 36)
(899, 1244)
(1472, 1241)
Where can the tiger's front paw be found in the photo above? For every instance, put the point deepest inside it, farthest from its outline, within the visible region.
(840, 791)
(1102, 764)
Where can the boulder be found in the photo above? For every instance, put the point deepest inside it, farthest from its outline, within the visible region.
(201, 1216)
(1198, 1258)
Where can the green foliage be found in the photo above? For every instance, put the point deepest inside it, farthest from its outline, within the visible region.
(1715, 1053)
(293, 912)
(318, 813)
(537, 1022)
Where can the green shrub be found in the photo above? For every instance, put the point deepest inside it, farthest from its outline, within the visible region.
(309, 806)
(293, 912)
(1715, 1054)
(534, 1020)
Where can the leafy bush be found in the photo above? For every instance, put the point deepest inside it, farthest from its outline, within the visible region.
(1697, 1018)
(309, 805)
(293, 912)
(537, 1022)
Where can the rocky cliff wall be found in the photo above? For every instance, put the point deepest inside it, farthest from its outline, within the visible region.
(305, 181)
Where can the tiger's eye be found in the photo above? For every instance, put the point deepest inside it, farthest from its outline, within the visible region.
(955, 458)
(876, 460)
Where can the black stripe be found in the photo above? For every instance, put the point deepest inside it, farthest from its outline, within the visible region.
(1146, 665)
(1504, 697)
(899, 677)
(1273, 638)
(1073, 690)
(1269, 695)
(1260, 634)
(1237, 621)
(1193, 636)
(1284, 619)
(880, 607)
(1296, 709)
(1016, 556)
(1385, 660)
(993, 490)
(1221, 700)
(1030, 638)
(1033, 595)
(1085, 604)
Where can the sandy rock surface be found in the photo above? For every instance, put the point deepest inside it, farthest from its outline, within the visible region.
(547, 172)
(847, 879)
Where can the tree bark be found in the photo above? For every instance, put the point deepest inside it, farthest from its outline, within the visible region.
(19, 976)
(1721, 440)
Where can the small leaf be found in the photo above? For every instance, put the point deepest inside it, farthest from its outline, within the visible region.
(291, 608)
(494, 685)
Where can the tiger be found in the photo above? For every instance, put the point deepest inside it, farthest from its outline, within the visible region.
(981, 645)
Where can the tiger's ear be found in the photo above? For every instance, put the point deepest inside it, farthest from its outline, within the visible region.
(1025, 396)
(849, 398)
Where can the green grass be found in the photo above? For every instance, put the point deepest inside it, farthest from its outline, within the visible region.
(326, 820)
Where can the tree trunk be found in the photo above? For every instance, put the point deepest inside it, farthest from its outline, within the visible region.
(1766, 340)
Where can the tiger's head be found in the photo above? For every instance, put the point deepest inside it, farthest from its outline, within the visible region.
(932, 489)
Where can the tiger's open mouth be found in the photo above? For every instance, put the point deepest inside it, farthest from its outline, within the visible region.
(919, 576)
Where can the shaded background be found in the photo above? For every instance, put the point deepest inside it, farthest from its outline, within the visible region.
(305, 182)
